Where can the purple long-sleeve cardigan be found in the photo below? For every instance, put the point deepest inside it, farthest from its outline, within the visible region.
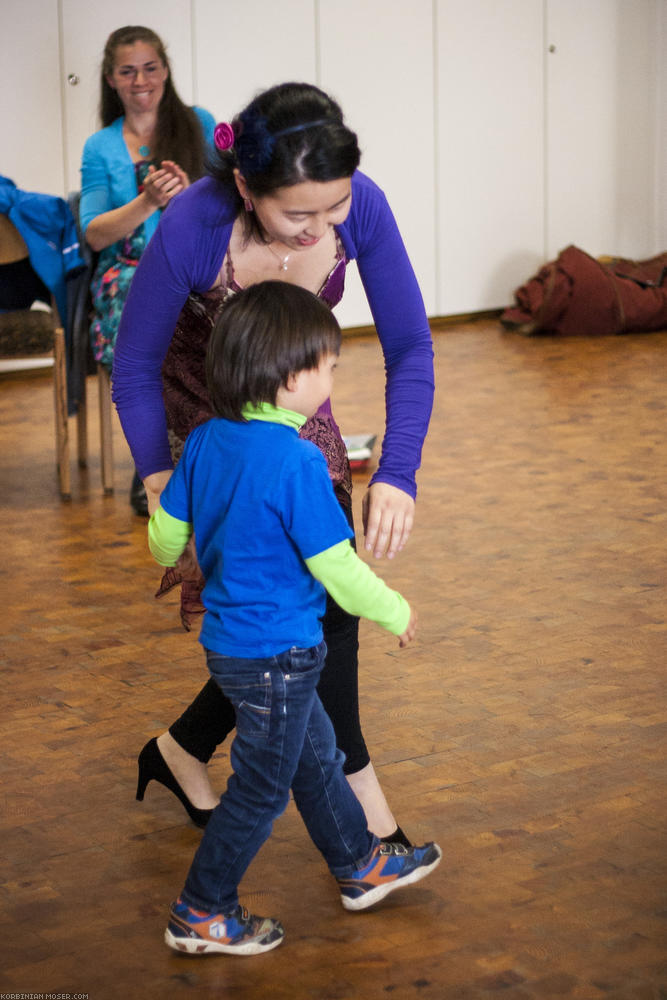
(186, 254)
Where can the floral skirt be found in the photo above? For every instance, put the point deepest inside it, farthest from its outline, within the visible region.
(109, 288)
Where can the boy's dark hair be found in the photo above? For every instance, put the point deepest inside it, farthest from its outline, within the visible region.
(264, 334)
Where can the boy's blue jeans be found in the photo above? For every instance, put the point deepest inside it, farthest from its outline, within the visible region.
(284, 740)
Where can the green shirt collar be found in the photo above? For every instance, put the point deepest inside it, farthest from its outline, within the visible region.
(273, 415)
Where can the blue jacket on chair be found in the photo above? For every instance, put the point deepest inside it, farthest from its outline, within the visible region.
(46, 224)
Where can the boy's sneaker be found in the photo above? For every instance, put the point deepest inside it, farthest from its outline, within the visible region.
(235, 933)
(391, 866)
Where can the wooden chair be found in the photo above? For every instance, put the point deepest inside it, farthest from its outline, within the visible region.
(61, 415)
(70, 360)
(62, 421)
(24, 333)
(81, 324)
(106, 439)
(45, 333)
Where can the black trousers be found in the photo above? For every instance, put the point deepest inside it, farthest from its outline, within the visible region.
(208, 720)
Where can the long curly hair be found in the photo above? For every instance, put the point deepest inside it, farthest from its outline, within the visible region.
(178, 134)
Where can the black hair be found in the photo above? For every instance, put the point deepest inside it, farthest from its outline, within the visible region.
(273, 149)
(178, 133)
(264, 334)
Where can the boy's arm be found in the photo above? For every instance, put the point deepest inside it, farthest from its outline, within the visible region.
(358, 590)
(167, 537)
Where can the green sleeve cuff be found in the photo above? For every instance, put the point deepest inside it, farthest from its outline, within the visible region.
(357, 589)
(167, 537)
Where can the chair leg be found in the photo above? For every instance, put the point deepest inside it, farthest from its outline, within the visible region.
(82, 427)
(60, 399)
(104, 387)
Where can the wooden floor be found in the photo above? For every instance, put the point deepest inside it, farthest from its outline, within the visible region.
(525, 730)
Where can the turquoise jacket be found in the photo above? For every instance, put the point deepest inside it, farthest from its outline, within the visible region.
(108, 177)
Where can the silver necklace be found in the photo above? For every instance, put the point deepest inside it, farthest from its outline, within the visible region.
(282, 261)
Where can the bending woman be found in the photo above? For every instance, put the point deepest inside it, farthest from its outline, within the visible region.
(149, 149)
(286, 202)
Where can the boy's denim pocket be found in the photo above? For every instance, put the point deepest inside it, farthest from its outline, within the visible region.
(296, 662)
(248, 691)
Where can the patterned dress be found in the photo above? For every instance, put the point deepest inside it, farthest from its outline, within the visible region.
(115, 269)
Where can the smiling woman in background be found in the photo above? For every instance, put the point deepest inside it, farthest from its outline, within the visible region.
(150, 148)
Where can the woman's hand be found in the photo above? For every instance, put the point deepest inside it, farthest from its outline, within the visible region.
(178, 172)
(388, 515)
(160, 186)
(154, 485)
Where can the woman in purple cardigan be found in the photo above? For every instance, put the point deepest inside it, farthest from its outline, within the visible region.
(287, 202)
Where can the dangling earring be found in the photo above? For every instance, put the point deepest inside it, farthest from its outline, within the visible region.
(247, 204)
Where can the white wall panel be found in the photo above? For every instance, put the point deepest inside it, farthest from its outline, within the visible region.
(376, 59)
(490, 152)
(30, 109)
(602, 88)
(241, 48)
(660, 177)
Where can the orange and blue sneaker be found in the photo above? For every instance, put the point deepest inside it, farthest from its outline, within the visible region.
(234, 933)
(391, 866)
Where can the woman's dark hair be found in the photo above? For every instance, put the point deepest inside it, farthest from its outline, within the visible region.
(264, 334)
(290, 133)
(178, 134)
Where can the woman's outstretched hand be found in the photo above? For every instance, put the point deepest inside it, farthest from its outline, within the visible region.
(388, 515)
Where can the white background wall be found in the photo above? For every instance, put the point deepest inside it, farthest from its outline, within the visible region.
(490, 133)
(659, 180)
(501, 131)
(609, 117)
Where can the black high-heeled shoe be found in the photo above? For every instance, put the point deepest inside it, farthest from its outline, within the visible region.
(153, 765)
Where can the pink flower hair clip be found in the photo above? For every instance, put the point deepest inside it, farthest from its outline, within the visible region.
(223, 136)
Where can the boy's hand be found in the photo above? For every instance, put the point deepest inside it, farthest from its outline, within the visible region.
(187, 564)
(410, 631)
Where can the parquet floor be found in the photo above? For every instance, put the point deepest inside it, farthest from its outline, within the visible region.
(525, 730)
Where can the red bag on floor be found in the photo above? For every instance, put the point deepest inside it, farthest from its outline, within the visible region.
(577, 295)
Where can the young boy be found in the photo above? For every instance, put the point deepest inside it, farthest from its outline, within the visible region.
(270, 537)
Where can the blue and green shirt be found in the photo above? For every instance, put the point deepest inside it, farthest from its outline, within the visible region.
(270, 536)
